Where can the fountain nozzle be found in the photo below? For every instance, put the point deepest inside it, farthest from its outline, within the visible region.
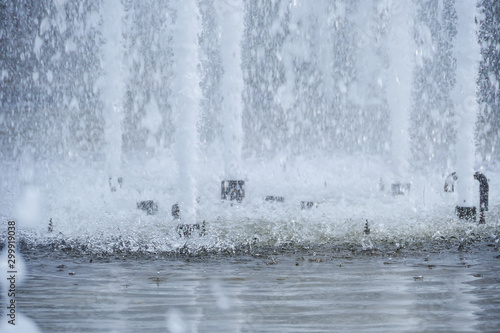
(469, 213)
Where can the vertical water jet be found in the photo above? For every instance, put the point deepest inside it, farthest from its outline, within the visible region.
(112, 83)
(186, 96)
(230, 16)
(467, 53)
(401, 56)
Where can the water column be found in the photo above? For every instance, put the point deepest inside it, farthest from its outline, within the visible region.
(230, 16)
(467, 53)
(401, 53)
(112, 83)
(185, 104)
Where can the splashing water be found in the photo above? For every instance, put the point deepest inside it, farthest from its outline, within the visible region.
(322, 106)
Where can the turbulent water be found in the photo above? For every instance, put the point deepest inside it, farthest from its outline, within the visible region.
(86, 216)
(313, 104)
(450, 287)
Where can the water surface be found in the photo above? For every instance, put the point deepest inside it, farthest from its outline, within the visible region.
(294, 290)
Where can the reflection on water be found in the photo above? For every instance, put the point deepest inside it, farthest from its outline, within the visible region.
(277, 291)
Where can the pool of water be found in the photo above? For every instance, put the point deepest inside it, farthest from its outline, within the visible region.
(454, 287)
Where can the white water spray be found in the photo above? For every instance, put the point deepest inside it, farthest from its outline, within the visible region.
(112, 84)
(230, 15)
(467, 53)
(186, 97)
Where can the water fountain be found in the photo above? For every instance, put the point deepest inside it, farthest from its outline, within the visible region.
(230, 16)
(171, 143)
(305, 106)
(467, 53)
(186, 106)
(399, 83)
(112, 86)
